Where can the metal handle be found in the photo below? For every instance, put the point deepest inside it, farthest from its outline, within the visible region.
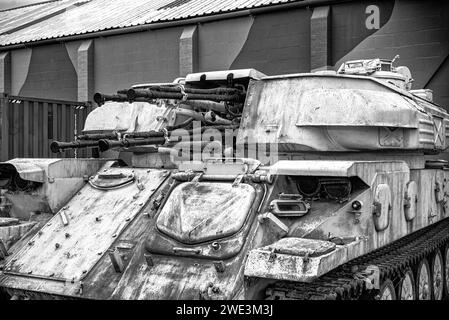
(303, 207)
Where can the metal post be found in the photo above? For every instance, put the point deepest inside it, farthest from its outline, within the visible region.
(4, 127)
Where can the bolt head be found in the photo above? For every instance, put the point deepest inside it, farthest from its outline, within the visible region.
(356, 205)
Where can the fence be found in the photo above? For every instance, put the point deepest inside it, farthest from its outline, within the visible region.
(28, 125)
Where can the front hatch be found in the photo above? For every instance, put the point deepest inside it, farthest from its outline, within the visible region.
(196, 212)
(77, 237)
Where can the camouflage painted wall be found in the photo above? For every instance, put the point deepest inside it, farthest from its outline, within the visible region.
(121, 61)
(416, 30)
(274, 43)
(278, 42)
(44, 72)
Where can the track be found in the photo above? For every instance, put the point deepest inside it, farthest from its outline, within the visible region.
(343, 283)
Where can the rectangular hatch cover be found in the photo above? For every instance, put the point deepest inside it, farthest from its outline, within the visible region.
(75, 239)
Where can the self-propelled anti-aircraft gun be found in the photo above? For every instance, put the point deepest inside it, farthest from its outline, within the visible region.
(236, 185)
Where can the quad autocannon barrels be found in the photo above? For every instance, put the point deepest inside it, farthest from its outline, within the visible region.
(106, 141)
(220, 107)
(173, 92)
(109, 140)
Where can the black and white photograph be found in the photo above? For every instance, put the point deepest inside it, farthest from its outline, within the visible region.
(246, 151)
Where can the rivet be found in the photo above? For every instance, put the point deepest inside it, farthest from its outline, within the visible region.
(219, 266)
(57, 245)
(67, 235)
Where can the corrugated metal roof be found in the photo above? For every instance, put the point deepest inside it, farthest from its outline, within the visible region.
(63, 18)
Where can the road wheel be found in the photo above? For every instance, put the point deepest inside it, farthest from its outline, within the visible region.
(437, 276)
(406, 290)
(423, 282)
(386, 291)
(446, 269)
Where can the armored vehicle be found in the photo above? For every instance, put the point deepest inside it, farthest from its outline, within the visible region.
(237, 185)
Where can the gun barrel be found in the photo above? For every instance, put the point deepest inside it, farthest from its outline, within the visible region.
(177, 88)
(100, 98)
(134, 94)
(114, 136)
(105, 144)
(97, 136)
(57, 146)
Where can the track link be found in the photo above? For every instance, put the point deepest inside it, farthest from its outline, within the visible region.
(343, 283)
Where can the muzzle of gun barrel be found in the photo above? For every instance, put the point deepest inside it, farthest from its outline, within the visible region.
(105, 144)
(57, 146)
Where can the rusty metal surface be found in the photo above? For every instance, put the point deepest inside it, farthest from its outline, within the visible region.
(199, 232)
(264, 263)
(9, 234)
(365, 170)
(197, 212)
(174, 276)
(30, 170)
(307, 112)
(97, 15)
(59, 180)
(123, 116)
(301, 247)
(348, 282)
(95, 217)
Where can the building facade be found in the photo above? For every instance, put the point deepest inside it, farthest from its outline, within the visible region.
(45, 53)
